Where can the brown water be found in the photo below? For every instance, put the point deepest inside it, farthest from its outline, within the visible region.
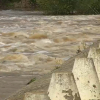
(64, 36)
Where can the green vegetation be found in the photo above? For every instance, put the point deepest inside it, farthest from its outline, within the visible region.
(88, 7)
(60, 7)
(32, 80)
(57, 67)
(7, 3)
(70, 6)
(33, 1)
(57, 6)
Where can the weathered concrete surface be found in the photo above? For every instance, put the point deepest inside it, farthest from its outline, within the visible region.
(86, 79)
(63, 87)
(95, 54)
(36, 96)
(42, 83)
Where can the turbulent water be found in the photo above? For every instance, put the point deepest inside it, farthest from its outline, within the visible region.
(29, 38)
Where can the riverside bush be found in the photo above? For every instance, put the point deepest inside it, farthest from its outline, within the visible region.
(87, 6)
(7, 3)
(60, 7)
(57, 6)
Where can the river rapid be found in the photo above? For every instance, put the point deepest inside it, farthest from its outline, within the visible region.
(29, 38)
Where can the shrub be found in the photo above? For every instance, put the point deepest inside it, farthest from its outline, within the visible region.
(96, 7)
(87, 6)
(58, 7)
(7, 3)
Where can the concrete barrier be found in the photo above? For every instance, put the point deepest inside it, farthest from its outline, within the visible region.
(99, 44)
(95, 54)
(63, 87)
(86, 79)
(36, 96)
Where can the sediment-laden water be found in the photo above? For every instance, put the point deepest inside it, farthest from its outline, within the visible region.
(27, 39)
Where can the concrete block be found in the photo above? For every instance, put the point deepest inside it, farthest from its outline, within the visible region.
(63, 87)
(95, 55)
(86, 79)
(99, 45)
(36, 96)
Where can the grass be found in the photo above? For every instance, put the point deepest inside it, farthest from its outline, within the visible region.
(38, 36)
(32, 80)
(56, 67)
